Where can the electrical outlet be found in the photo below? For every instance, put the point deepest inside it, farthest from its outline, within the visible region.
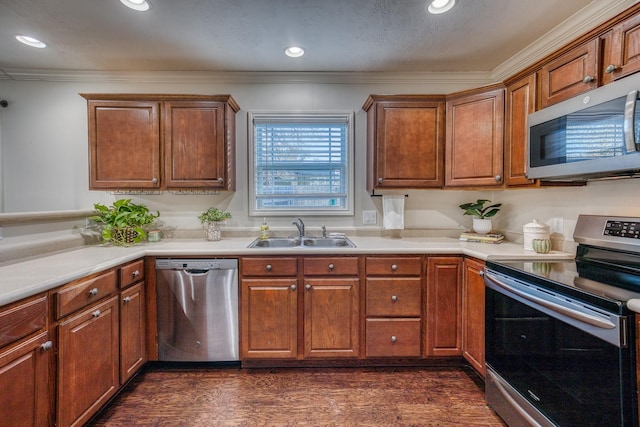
(369, 217)
(557, 225)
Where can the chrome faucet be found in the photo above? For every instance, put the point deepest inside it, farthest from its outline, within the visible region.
(324, 231)
(298, 223)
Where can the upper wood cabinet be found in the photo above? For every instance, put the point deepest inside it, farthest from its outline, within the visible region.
(625, 49)
(475, 138)
(161, 141)
(520, 102)
(571, 74)
(405, 141)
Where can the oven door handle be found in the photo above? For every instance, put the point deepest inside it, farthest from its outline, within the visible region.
(581, 317)
(500, 386)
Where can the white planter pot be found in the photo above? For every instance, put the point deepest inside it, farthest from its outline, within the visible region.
(482, 226)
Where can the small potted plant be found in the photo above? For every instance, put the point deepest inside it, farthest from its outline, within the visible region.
(211, 219)
(481, 214)
(123, 221)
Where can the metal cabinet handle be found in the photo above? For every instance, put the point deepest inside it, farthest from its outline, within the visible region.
(394, 338)
(331, 267)
(394, 298)
(587, 79)
(269, 267)
(293, 287)
(221, 180)
(46, 346)
(93, 292)
(611, 68)
(154, 181)
(498, 178)
(394, 267)
(126, 300)
(380, 180)
(308, 287)
(96, 313)
(135, 273)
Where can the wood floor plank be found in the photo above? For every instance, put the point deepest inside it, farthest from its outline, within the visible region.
(301, 397)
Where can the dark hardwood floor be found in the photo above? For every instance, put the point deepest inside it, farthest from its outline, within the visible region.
(161, 396)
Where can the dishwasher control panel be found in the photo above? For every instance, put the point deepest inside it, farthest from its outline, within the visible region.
(196, 264)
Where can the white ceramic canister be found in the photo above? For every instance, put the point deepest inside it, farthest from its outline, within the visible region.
(534, 230)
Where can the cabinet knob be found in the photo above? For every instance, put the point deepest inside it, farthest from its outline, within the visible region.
(307, 287)
(269, 267)
(394, 338)
(221, 180)
(46, 346)
(331, 267)
(394, 267)
(96, 313)
(394, 298)
(126, 300)
(135, 273)
(587, 79)
(498, 178)
(154, 180)
(481, 273)
(93, 292)
(293, 287)
(611, 68)
(380, 180)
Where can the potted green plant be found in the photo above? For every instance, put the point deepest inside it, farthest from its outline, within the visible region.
(123, 221)
(481, 214)
(211, 219)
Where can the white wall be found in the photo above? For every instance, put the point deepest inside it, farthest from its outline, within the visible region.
(45, 155)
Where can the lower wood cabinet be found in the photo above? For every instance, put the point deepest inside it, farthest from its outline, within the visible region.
(473, 314)
(444, 306)
(133, 353)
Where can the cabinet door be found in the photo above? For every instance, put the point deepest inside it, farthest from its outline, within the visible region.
(132, 331)
(571, 74)
(194, 141)
(88, 369)
(124, 144)
(269, 318)
(475, 137)
(473, 314)
(331, 318)
(24, 381)
(444, 306)
(625, 57)
(408, 144)
(520, 102)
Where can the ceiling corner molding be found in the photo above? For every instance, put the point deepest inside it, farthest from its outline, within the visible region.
(244, 77)
(586, 19)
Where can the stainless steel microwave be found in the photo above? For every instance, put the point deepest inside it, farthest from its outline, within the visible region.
(592, 136)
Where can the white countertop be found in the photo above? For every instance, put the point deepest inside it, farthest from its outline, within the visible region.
(31, 276)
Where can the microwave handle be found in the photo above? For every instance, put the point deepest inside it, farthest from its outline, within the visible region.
(629, 122)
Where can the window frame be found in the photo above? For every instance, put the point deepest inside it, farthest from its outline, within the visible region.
(342, 116)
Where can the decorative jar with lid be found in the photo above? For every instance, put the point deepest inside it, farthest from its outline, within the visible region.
(534, 230)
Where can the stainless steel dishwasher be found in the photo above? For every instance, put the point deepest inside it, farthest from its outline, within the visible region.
(197, 310)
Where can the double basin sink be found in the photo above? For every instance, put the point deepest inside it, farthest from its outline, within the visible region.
(303, 242)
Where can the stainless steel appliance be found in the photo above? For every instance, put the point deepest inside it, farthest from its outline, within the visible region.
(594, 135)
(197, 310)
(559, 334)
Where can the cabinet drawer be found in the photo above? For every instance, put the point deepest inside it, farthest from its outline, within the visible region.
(393, 337)
(392, 266)
(264, 267)
(323, 266)
(394, 297)
(131, 273)
(22, 319)
(79, 294)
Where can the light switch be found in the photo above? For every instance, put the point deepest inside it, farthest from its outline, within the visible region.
(369, 217)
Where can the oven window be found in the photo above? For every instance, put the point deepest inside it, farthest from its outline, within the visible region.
(572, 377)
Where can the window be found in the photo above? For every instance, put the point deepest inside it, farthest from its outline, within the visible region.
(301, 163)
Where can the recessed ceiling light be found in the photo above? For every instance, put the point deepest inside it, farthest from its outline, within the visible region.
(440, 6)
(139, 5)
(30, 41)
(294, 51)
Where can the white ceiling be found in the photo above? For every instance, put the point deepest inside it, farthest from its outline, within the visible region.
(250, 35)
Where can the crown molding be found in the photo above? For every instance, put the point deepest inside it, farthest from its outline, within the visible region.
(586, 19)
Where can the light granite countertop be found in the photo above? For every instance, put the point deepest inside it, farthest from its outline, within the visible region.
(30, 276)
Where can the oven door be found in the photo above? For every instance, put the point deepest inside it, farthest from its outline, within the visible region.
(552, 360)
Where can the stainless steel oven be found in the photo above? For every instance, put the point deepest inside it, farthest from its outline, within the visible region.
(560, 336)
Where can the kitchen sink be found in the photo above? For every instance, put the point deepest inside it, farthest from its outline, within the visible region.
(304, 242)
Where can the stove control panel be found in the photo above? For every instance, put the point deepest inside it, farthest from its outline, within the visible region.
(628, 229)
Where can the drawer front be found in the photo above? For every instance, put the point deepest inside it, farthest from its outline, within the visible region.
(331, 266)
(22, 319)
(131, 273)
(79, 294)
(391, 297)
(393, 266)
(393, 337)
(265, 267)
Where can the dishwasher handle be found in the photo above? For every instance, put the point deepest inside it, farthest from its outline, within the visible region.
(196, 272)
